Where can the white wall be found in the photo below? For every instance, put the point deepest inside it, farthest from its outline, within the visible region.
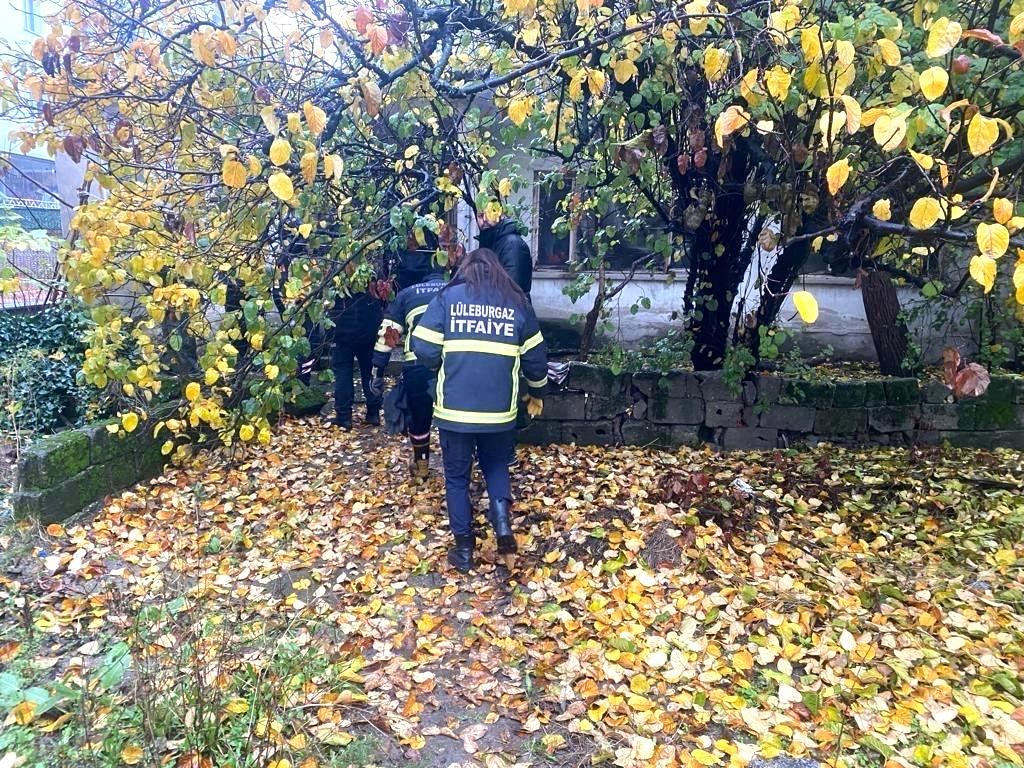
(841, 323)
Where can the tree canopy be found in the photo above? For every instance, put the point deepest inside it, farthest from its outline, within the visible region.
(242, 149)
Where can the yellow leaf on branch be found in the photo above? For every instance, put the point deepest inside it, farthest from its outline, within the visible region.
(881, 210)
(890, 53)
(732, 119)
(837, 175)
(1002, 210)
(233, 174)
(716, 63)
(281, 186)
(280, 151)
(925, 213)
(982, 133)
(933, 82)
(806, 306)
(993, 239)
(943, 37)
(316, 118)
(983, 271)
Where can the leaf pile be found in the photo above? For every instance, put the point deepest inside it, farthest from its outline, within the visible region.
(867, 610)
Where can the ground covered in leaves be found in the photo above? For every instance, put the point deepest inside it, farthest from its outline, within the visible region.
(292, 607)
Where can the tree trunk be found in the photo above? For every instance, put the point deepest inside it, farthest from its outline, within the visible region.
(590, 325)
(889, 333)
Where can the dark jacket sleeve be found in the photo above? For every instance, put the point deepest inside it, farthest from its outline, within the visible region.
(428, 337)
(394, 319)
(533, 353)
(514, 255)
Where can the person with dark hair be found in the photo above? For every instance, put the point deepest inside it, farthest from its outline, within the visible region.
(402, 317)
(478, 334)
(505, 239)
(357, 319)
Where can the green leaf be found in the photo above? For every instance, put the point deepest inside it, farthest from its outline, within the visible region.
(623, 644)
(10, 690)
(877, 745)
(115, 666)
(931, 289)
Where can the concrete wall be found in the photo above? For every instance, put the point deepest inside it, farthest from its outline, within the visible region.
(682, 408)
(841, 324)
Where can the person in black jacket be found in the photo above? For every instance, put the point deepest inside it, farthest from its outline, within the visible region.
(478, 334)
(357, 319)
(402, 317)
(505, 239)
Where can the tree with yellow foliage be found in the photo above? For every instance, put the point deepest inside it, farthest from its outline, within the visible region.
(751, 134)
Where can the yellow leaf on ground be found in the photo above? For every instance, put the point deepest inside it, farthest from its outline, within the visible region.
(806, 306)
(743, 660)
(132, 755)
(705, 758)
(24, 713)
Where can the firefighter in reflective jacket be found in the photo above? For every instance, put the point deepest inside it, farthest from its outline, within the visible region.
(403, 315)
(478, 334)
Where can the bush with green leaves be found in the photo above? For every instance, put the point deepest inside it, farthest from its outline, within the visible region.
(41, 354)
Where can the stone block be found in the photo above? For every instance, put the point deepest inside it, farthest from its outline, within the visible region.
(645, 433)
(849, 394)
(564, 406)
(813, 394)
(893, 418)
(902, 391)
(671, 384)
(639, 410)
(936, 392)
(840, 421)
(791, 418)
(714, 387)
(149, 462)
(874, 393)
(104, 445)
(606, 407)
(723, 414)
(596, 380)
(995, 412)
(987, 439)
(588, 432)
(60, 502)
(941, 416)
(541, 433)
(749, 439)
(675, 410)
(120, 475)
(53, 460)
(769, 388)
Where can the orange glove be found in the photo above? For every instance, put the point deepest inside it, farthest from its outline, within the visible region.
(534, 405)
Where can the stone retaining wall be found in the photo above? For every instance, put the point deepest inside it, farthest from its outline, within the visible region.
(64, 473)
(596, 406)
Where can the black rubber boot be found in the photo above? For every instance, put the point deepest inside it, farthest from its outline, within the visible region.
(461, 555)
(419, 467)
(373, 417)
(501, 521)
